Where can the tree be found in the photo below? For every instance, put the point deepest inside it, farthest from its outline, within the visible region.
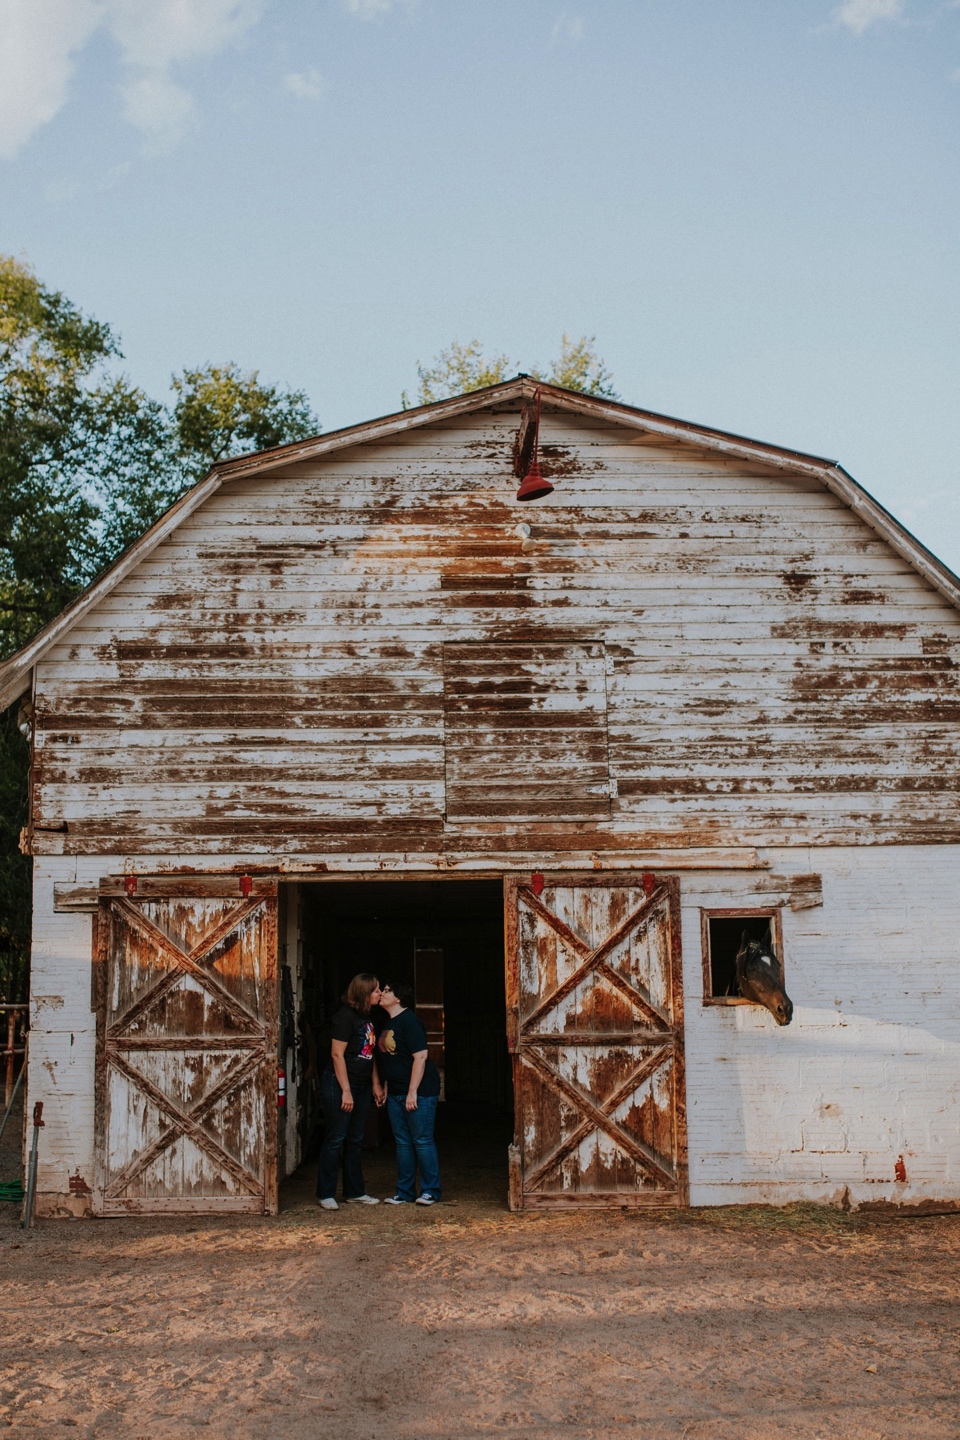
(462, 368)
(48, 350)
(458, 370)
(579, 367)
(87, 463)
(87, 460)
(221, 411)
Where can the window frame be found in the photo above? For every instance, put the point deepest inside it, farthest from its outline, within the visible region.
(771, 912)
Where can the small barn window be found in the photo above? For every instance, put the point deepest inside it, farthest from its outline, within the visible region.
(722, 931)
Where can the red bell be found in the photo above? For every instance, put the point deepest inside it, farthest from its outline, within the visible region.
(533, 485)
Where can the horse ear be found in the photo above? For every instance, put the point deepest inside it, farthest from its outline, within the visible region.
(744, 939)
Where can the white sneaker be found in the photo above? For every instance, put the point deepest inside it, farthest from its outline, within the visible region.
(426, 1199)
(330, 1204)
(396, 1200)
(360, 1200)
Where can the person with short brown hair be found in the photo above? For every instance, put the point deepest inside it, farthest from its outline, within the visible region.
(347, 1086)
(413, 1092)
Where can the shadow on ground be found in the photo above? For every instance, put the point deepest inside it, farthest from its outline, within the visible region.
(466, 1320)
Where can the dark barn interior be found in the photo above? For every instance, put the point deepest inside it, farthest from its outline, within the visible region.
(725, 938)
(444, 938)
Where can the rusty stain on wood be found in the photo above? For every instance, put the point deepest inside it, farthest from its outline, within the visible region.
(186, 1036)
(594, 991)
(706, 663)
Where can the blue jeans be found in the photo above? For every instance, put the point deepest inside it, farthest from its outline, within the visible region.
(343, 1133)
(413, 1132)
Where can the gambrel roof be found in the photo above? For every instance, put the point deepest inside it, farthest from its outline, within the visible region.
(15, 673)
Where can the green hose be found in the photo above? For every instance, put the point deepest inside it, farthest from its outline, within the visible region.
(11, 1190)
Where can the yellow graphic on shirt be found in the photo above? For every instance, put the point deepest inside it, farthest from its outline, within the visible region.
(387, 1042)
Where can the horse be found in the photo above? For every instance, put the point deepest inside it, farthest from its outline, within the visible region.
(759, 977)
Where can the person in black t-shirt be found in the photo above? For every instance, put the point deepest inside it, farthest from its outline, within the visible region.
(413, 1092)
(347, 1086)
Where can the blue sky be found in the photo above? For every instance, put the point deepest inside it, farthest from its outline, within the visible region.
(753, 206)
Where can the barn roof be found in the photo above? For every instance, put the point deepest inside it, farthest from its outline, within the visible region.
(15, 672)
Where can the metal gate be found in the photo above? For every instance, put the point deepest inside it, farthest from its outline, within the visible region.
(186, 1116)
(595, 1024)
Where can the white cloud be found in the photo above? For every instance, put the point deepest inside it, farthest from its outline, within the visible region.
(38, 42)
(160, 107)
(859, 15)
(568, 30)
(116, 175)
(305, 84)
(156, 36)
(61, 192)
(39, 39)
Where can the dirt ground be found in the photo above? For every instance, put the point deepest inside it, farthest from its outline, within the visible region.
(466, 1321)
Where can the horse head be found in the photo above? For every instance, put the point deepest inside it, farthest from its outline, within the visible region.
(760, 978)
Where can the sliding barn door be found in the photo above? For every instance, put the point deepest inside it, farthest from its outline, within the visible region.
(187, 1051)
(595, 1011)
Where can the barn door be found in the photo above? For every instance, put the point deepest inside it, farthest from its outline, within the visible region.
(186, 1069)
(595, 1012)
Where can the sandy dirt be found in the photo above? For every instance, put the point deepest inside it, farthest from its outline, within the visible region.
(465, 1321)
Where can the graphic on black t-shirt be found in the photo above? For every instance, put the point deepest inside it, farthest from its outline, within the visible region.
(357, 1033)
(403, 1038)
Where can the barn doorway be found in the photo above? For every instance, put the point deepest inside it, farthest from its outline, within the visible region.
(445, 939)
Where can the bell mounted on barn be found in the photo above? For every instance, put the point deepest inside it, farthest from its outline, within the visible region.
(526, 465)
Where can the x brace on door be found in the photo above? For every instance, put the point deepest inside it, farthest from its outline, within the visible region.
(250, 1036)
(658, 1033)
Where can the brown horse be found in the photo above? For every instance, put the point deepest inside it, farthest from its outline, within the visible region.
(760, 978)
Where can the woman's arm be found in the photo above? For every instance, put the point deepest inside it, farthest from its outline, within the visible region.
(337, 1051)
(416, 1075)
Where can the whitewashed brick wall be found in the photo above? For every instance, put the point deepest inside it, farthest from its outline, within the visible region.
(868, 1071)
(62, 1038)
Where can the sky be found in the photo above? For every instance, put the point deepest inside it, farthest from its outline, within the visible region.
(754, 205)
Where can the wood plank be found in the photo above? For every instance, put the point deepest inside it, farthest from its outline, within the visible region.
(135, 1147)
(75, 899)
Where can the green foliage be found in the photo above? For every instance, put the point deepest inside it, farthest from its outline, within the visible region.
(462, 368)
(579, 367)
(458, 370)
(222, 411)
(87, 463)
(48, 350)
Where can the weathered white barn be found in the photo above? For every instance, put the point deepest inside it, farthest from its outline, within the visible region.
(707, 683)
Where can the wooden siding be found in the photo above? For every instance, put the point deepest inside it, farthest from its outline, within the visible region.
(525, 730)
(271, 678)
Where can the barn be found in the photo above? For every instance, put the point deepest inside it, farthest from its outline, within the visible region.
(352, 699)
